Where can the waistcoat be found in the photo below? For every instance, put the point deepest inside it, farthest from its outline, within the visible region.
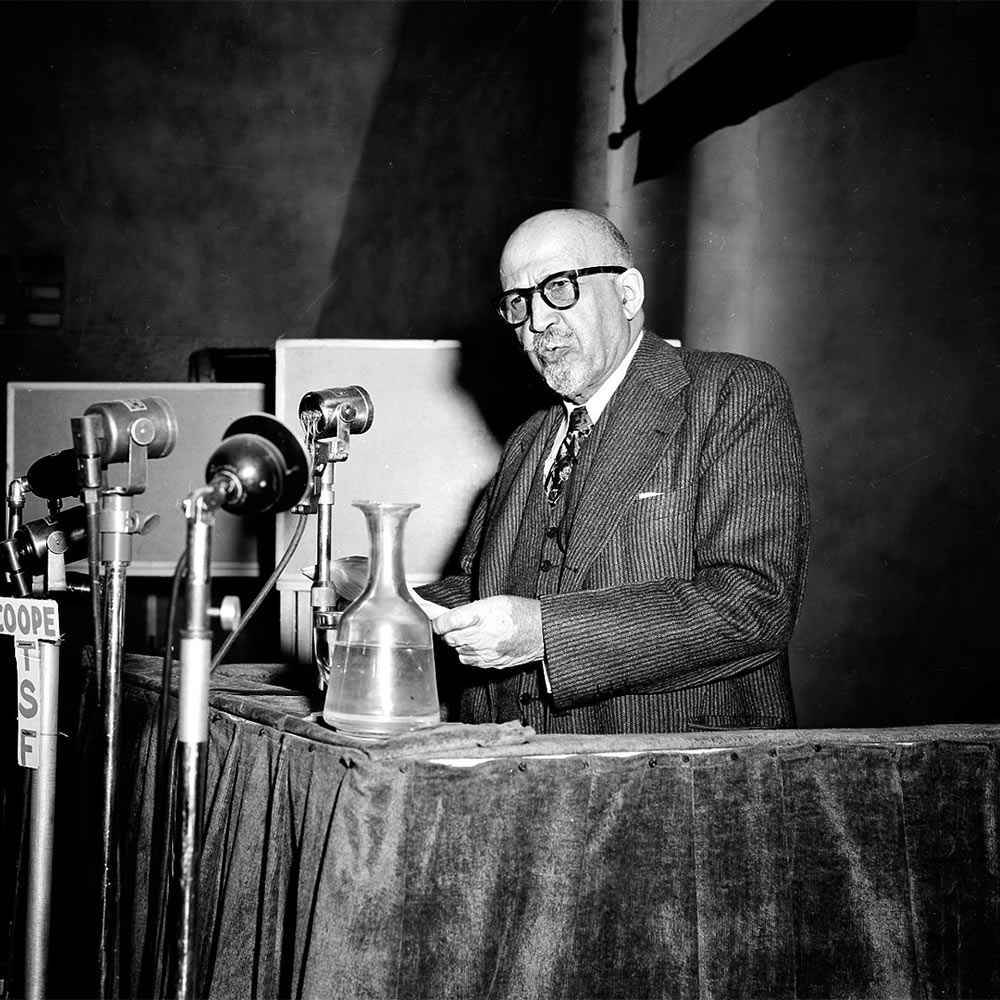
(536, 568)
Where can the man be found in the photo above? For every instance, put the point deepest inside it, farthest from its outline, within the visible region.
(635, 566)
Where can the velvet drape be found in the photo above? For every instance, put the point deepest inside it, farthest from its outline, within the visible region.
(491, 862)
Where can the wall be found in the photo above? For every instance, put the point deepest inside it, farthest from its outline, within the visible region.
(849, 235)
(475, 129)
(192, 162)
(218, 175)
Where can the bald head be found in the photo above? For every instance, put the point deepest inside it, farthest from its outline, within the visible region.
(586, 236)
(576, 343)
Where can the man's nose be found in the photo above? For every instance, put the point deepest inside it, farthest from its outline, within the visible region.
(540, 313)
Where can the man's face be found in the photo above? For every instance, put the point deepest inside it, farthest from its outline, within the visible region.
(573, 349)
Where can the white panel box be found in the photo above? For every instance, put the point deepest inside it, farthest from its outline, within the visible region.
(428, 443)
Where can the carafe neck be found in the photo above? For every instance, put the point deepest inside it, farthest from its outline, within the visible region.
(386, 523)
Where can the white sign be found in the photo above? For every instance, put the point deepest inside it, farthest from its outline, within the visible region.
(28, 621)
(29, 696)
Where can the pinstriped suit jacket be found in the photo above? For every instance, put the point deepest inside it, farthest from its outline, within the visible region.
(685, 564)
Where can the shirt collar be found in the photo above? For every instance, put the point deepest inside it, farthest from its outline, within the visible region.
(602, 395)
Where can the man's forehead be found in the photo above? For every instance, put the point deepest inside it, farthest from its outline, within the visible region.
(531, 254)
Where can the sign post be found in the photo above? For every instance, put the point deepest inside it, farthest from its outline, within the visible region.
(34, 626)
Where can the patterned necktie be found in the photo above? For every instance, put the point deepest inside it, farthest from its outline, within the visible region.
(558, 475)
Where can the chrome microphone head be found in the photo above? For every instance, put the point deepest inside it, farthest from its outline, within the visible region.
(150, 422)
(323, 409)
(24, 555)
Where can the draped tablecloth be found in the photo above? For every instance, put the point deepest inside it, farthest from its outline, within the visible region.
(487, 861)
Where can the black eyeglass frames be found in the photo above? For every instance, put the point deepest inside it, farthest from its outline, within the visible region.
(560, 291)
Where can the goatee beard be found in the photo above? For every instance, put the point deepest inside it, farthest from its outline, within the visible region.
(560, 378)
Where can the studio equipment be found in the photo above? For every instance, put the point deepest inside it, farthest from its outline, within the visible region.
(259, 467)
(329, 417)
(131, 431)
(33, 623)
(109, 433)
(54, 476)
(33, 549)
(42, 548)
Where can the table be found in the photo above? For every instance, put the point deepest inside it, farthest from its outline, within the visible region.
(488, 861)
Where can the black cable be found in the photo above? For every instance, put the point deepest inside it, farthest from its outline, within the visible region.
(264, 591)
(168, 662)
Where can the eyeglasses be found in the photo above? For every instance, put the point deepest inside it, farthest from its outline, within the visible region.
(560, 291)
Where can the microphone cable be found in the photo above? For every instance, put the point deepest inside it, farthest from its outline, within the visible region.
(180, 571)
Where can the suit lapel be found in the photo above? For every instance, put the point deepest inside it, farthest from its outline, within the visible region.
(643, 416)
(513, 493)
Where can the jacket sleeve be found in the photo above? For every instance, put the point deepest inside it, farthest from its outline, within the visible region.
(750, 549)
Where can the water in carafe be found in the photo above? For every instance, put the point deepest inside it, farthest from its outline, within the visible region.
(382, 679)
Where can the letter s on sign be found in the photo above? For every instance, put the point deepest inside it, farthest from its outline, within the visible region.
(28, 706)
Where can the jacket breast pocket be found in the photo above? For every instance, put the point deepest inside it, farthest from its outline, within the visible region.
(656, 535)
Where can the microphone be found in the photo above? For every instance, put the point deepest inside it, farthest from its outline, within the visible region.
(54, 476)
(260, 466)
(25, 554)
(150, 422)
(324, 411)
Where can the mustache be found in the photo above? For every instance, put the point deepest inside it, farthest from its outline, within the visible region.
(552, 337)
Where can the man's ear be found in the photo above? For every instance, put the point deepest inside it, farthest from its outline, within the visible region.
(633, 290)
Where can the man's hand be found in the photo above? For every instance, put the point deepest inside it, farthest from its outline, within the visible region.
(494, 632)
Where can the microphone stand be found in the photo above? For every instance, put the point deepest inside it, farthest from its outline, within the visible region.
(37, 640)
(192, 720)
(118, 523)
(37, 548)
(42, 659)
(86, 432)
(328, 417)
(323, 596)
(259, 467)
(16, 491)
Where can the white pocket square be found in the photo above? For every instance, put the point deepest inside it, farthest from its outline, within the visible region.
(648, 496)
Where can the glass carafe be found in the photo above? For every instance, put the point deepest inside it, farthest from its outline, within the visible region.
(382, 663)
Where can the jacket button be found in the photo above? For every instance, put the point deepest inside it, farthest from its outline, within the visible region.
(526, 699)
(545, 565)
(551, 532)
